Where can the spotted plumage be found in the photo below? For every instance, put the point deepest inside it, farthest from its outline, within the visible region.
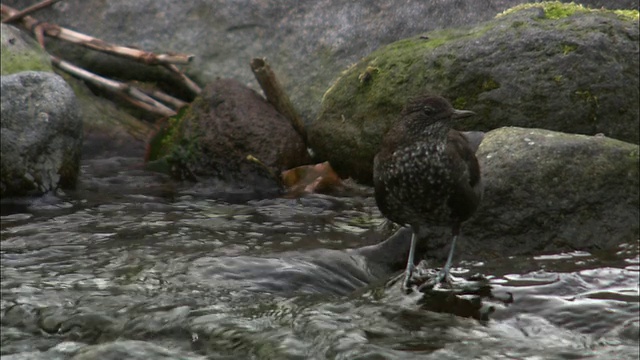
(426, 173)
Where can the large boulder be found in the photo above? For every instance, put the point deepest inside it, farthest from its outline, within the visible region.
(552, 66)
(41, 136)
(307, 43)
(547, 192)
(229, 134)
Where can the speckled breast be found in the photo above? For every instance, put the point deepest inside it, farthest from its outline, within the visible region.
(414, 184)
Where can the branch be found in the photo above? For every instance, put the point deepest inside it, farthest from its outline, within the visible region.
(141, 98)
(71, 36)
(276, 95)
(128, 92)
(187, 82)
(33, 8)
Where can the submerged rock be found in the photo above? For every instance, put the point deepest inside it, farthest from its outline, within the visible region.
(41, 134)
(559, 67)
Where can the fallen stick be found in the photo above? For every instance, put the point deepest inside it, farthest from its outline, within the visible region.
(164, 97)
(190, 84)
(276, 95)
(33, 8)
(128, 92)
(71, 36)
(145, 99)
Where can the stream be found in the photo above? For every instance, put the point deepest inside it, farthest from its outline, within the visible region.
(132, 266)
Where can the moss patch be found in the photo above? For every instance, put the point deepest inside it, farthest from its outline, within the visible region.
(556, 10)
(568, 48)
(15, 62)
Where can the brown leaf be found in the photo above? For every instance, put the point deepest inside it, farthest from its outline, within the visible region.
(318, 178)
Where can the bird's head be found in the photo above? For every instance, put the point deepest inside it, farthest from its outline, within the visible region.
(429, 109)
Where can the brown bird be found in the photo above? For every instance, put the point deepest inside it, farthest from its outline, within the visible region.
(427, 173)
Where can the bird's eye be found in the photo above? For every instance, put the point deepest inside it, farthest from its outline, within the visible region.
(427, 109)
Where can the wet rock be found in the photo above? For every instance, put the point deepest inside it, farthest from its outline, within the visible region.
(561, 68)
(545, 192)
(41, 134)
(131, 349)
(549, 192)
(233, 135)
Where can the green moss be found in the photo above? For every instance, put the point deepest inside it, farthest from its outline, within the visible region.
(632, 15)
(567, 48)
(489, 84)
(367, 75)
(587, 96)
(552, 9)
(166, 146)
(556, 10)
(460, 102)
(591, 100)
(15, 62)
(394, 65)
(558, 79)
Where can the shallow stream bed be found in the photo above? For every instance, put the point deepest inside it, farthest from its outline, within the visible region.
(131, 267)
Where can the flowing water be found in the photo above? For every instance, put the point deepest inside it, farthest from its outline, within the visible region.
(132, 267)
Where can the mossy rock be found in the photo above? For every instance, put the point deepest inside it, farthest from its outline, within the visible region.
(19, 52)
(548, 65)
(228, 135)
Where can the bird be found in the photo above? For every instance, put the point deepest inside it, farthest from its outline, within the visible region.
(426, 173)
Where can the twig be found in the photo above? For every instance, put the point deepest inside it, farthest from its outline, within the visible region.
(276, 95)
(162, 96)
(100, 45)
(141, 98)
(144, 57)
(128, 92)
(33, 8)
(187, 82)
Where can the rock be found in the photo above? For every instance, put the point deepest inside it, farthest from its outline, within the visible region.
(41, 134)
(21, 52)
(132, 349)
(231, 134)
(108, 129)
(563, 68)
(307, 44)
(547, 192)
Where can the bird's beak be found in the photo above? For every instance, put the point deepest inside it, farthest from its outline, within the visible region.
(459, 114)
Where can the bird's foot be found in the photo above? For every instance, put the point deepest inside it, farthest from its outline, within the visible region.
(417, 276)
(443, 280)
(409, 283)
(438, 280)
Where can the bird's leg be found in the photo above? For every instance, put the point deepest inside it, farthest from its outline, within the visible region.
(410, 265)
(443, 275)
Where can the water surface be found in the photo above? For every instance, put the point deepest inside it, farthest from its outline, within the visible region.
(132, 266)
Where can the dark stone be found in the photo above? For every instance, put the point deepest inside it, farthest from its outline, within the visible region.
(232, 141)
